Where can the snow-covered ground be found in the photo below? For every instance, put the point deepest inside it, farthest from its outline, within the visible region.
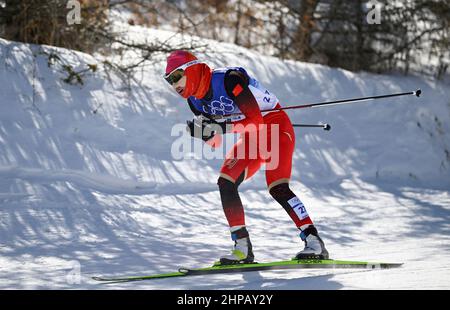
(84, 193)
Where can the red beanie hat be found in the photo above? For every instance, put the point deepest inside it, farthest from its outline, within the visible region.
(178, 58)
(198, 76)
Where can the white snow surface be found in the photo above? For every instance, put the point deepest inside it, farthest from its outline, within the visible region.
(91, 194)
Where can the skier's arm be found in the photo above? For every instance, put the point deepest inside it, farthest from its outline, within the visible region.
(236, 85)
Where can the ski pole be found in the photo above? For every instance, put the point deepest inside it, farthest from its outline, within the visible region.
(326, 127)
(416, 93)
(336, 102)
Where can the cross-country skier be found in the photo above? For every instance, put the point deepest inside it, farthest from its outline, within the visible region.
(211, 93)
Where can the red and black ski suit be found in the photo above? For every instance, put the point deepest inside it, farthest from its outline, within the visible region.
(236, 169)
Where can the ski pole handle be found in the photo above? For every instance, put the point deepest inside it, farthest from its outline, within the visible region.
(326, 127)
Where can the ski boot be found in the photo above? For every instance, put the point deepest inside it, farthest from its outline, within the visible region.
(314, 246)
(242, 252)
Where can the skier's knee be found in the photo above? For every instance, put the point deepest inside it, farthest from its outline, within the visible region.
(227, 188)
(225, 184)
(281, 191)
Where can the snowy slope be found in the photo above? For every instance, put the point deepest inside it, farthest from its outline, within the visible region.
(101, 193)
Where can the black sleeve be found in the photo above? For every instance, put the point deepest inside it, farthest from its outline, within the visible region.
(236, 85)
(193, 109)
(235, 82)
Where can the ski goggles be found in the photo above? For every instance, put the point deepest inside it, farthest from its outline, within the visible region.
(176, 74)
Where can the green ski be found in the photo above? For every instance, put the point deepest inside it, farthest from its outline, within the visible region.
(289, 264)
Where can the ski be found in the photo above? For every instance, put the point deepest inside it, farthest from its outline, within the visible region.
(280, 265)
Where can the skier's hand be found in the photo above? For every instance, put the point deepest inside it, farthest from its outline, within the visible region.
(206, 128)
(218, 127)
(200, 129)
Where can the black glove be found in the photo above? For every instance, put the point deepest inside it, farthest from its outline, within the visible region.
(205, 129)
(197, 128)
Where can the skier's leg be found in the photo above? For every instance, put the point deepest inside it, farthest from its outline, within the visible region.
(278, 184)
(231, 202)
(277, 178)
(292, 204)
(234, 171)
(314, 245)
